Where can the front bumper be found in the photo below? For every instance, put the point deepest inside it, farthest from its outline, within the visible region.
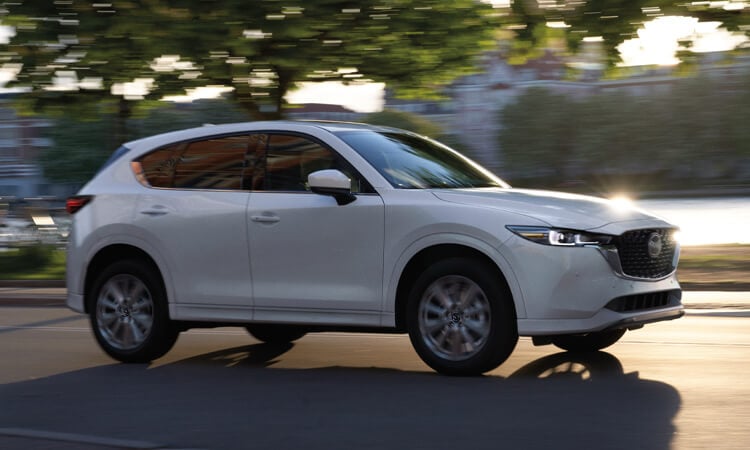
(568, 290)
(603, 320)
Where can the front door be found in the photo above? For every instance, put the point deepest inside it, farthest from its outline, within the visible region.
(309, 255)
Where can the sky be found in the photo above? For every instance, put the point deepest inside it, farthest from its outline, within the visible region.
(656, 44)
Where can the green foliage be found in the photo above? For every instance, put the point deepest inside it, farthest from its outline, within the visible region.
(692, 135)
(171, 117)
(261, 48)
(612, 20)
(417, 124)
(27, 259)
(81, 146)
(405, 121)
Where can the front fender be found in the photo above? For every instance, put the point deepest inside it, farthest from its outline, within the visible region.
(450, 238)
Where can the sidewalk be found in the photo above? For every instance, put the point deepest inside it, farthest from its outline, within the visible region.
(55, 296)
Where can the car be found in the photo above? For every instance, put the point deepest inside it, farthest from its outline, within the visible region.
(293, 227)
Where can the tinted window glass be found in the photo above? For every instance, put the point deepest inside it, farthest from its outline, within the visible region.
(158, 167)
(283, 171)
(247, 162)
(411, 162)
(212, 164)
(253, 174)
(290, 159)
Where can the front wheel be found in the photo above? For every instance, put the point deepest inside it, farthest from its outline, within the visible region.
(128, 313)
(461, 318)
(588, 342)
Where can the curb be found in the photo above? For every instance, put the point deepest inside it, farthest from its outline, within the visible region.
(52, 301)
(32, 283)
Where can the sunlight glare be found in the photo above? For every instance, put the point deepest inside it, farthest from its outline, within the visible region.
(659, 40)
(622, 201)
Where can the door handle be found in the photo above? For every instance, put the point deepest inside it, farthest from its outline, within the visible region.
(265, 218)
(156, 210)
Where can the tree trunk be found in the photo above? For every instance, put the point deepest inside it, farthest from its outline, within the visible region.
(124, 112)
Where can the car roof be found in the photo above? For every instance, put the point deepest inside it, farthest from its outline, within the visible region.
(275, 125)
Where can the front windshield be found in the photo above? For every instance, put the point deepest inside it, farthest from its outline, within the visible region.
(408, 161)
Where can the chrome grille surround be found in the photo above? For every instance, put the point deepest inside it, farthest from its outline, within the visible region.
(634, 255)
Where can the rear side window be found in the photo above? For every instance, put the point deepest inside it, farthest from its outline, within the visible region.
(157, 168)
(212, 164)
(218, 163)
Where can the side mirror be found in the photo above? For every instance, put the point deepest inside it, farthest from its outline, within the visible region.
(332, 182)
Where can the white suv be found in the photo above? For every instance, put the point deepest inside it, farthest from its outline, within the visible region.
(287, 228)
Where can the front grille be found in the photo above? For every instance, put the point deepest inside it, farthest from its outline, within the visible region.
(642, 302)
(642, 256)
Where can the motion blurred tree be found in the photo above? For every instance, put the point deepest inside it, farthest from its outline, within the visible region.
(81, 146)
(75, 52)
(614, 21)
(404, 120)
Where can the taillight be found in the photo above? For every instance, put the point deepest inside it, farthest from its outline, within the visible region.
(76, 202)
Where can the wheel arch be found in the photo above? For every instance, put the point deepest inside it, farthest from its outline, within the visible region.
(109, 254)
(428, 255)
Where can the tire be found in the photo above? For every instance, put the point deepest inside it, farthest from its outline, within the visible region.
(275, 334)
(589, 342)
(461, 318)
(127, 308)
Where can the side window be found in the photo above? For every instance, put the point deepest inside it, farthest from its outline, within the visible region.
(290, 159)
(253, 177)
(284, 162)
(157, 168)
(212, 164)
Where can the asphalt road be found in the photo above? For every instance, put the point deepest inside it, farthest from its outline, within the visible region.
(673, 385)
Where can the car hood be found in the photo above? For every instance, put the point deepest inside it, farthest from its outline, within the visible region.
(558, 209)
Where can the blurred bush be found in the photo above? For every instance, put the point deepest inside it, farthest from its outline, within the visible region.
(26, 259)
(693, 135)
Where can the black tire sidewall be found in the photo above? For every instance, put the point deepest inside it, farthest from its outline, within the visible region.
(163, 333)
(503, 326)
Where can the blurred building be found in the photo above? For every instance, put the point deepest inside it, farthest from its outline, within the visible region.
(471, 112)
(21, 142)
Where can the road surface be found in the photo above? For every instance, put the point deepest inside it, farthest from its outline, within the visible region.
(673, 385)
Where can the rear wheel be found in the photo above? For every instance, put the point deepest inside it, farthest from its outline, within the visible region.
(275, 334)
(460, 317)
(128, 312)
(588, 342)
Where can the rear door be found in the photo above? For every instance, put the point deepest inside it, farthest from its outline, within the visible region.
(195, 214)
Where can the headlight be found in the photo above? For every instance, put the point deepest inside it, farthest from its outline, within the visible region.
(560, 237)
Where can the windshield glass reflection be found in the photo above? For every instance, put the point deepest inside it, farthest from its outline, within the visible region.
(410, 162)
